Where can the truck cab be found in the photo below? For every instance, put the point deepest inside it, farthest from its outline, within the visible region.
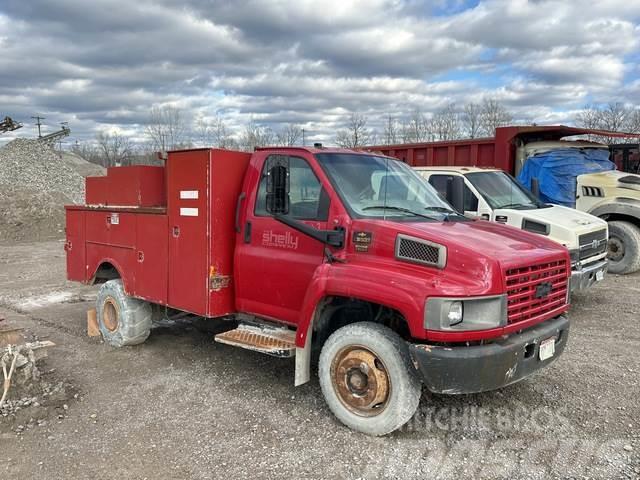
(349, 255)
(494, 195)
(602, 191)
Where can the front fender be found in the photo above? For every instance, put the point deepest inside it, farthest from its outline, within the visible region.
(618, 206)
(401, 292)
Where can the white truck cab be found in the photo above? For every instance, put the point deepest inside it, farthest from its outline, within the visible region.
(494, 195)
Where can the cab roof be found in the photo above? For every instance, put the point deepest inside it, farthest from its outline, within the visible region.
(462, 170)
(314, 150)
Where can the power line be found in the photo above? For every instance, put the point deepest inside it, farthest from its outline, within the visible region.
(39, 124)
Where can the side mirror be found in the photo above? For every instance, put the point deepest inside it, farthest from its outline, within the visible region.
(535, 187)
(277, 201)
(457, 193)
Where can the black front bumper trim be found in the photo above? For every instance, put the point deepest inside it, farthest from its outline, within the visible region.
(479, 368)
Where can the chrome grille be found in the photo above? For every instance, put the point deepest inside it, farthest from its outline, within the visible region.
(536, 291)
(420, 251)
(593, 243)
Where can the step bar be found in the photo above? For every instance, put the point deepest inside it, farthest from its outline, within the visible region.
(274, 341)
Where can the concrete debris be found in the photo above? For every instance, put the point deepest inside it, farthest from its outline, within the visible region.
(35, 183)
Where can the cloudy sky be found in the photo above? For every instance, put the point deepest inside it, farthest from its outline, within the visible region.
(102, 64)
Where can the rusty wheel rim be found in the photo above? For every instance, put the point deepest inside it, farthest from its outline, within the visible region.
(110, 314)
(615, 249)
(360, 380)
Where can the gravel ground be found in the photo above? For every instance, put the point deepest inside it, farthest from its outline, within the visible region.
(182, 406)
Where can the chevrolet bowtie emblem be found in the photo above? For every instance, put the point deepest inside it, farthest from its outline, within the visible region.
(543, 290)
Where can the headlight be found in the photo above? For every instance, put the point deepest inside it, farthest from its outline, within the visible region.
(455, 313)
(574, 255)
(471, 313)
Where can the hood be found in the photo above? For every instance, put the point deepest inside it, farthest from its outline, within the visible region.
(477, 252)
(560, 216)
(611, 179)
(507, 245)
(564, 225)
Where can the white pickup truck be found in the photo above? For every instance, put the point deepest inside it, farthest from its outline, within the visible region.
(494, 195)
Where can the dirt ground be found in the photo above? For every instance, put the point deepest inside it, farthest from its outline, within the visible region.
(182, 406)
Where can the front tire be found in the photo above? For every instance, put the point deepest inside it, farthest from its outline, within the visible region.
(122, 320)
(367, 378)
(623, 248)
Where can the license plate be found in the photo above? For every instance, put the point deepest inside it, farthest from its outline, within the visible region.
(599, 275)
(547, 348)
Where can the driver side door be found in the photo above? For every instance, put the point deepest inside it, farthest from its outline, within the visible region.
(276, 263)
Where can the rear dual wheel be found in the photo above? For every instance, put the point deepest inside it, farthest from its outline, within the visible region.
(367, 378)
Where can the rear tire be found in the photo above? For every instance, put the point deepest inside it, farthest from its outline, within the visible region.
(122, 320)
(367, 378)
(623, 248)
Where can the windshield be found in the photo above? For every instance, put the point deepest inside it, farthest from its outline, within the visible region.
(373, 186)
(501, 190)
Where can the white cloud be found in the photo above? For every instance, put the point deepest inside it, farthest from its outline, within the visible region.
(104, 63)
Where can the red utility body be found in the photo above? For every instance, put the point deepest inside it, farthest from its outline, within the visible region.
(177, 252)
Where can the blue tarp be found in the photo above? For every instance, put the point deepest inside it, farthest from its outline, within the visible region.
(557, 171)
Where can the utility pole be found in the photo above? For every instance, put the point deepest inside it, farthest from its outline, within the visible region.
(39, 124)
(303, 142)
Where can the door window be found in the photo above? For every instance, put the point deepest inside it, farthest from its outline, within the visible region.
(308, 200)
(443, 184)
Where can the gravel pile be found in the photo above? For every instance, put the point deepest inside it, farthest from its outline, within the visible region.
(35, 184)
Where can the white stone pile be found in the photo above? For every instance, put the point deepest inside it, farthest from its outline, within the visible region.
(35, 183)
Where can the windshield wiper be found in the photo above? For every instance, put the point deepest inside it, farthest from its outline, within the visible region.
(402, 209)
(516, 205)
(447, 211)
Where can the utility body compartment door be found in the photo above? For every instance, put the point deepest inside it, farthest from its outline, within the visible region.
(188, 174)
(151, 257)
(75, 246)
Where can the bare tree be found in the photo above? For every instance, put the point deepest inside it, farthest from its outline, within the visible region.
(221, 134)
(255, 135)
(633, 121)
(89, 151)
(114, 148)
(613, 116)
(470, 119)
(445, 124)
(289, 136)
(492, 116)
(588, 117)
(203, 131)
(391, 133)
(415, 128)
(356, 134)
(166, 128)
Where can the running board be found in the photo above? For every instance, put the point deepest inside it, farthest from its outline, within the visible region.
(275, 341)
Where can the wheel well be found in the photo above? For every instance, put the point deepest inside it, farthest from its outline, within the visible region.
(335, 312)
(105, 272)
(621, 217)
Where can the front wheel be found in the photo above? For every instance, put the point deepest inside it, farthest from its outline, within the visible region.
(623, 248)
(367, 379)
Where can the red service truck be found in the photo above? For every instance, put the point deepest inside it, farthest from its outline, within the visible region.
(347, 254)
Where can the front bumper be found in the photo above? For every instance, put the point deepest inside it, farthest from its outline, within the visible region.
(585, 277)
(479, 368)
